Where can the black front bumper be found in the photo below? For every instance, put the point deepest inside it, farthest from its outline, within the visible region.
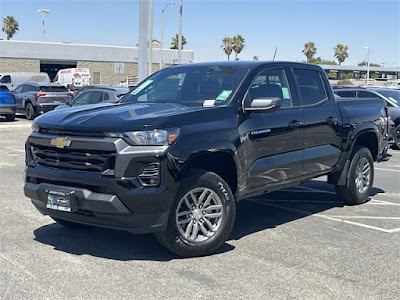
(118, 201)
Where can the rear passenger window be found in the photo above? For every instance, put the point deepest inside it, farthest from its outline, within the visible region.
(365, 94)
(348, 94)
(3, 88)
(310, 86)
(96, 97)
(270, 83)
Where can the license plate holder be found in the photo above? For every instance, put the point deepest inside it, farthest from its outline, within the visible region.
(57, 200)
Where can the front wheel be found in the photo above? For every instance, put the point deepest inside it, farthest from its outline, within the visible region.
(202, 216)
(396, 138)
(360, 178)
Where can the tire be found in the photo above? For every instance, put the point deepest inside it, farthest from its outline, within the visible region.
(10, 118)
(396, 138)
(30, 112)
(70, 225)
(193, 228)
(360, 178)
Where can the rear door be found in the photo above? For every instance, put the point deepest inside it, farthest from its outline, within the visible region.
(322, 117)
(275, 151)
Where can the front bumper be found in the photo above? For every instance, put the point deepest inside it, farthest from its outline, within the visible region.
(117, 199)
(7, 109)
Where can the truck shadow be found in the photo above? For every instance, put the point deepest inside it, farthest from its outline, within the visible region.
(253, 215)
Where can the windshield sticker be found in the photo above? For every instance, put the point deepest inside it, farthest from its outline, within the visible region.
(208, 103)
(141, 87)
(224, 95)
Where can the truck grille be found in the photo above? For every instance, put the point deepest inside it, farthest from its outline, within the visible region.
(94, 161)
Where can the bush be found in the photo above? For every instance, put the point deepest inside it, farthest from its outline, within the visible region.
(345, 82)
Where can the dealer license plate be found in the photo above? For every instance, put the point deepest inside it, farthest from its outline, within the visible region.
(58, 200)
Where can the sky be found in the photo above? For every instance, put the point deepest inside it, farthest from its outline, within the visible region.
(265, 24)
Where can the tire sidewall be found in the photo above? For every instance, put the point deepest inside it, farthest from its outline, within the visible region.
(174, 238)
(358, 155)
(396, 140)
(29, 111)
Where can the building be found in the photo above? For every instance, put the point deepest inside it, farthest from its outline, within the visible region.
(359, 72)
(107, 64)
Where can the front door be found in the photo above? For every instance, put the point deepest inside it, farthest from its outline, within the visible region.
(275, 139)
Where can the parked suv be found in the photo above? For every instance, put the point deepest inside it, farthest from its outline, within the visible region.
(7, 103)
(95, 96)
(34, 98)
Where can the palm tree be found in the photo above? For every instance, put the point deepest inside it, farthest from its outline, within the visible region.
(309, 50)
(175, 42)
(227, 45)
(10, 26)
(341, 52)
(238, 45)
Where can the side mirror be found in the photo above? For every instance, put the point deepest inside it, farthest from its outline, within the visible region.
(268, 104)
(69, 103)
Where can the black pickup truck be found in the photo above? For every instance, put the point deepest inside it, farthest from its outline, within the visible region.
(185, 145)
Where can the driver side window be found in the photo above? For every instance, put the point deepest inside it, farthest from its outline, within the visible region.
(270, 83)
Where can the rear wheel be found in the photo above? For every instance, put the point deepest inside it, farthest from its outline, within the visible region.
(396, 138)
(10, 118)
(202, 216)
(30, 111)
(360, 177)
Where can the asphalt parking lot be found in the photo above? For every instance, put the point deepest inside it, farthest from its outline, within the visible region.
(299, 243)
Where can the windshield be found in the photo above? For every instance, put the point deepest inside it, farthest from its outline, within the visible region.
(49, 89)
(392, 95)
(189, 85)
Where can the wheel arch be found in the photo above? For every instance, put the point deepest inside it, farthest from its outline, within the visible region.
(221, 161)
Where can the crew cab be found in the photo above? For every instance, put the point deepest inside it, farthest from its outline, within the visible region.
(177, 153)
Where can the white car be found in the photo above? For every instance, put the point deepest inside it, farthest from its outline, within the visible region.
(393, 85)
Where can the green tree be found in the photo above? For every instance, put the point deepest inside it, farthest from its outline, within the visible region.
(309, 50)
(364, 63)
(175, 42)
(10, 26)
(227, 45)
(341, 53)
(238, 45)
(255, 57)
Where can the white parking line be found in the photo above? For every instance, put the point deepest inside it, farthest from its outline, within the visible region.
(388, 170)
(327, 217)
(15, 149)
(307, 189)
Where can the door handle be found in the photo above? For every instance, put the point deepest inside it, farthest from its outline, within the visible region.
(332, 121)
(295, 123)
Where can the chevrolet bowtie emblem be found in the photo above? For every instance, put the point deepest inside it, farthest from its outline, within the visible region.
(60, 142)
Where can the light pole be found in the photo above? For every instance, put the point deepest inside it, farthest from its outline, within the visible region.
(150, 68)
(162, 36)
(43, 12)
(368, 52)
(180, 32)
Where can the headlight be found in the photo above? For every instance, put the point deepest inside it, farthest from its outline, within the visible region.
(35, 128)
(153, 137)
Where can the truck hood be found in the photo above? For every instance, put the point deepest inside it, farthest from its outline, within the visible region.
(123, 117)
